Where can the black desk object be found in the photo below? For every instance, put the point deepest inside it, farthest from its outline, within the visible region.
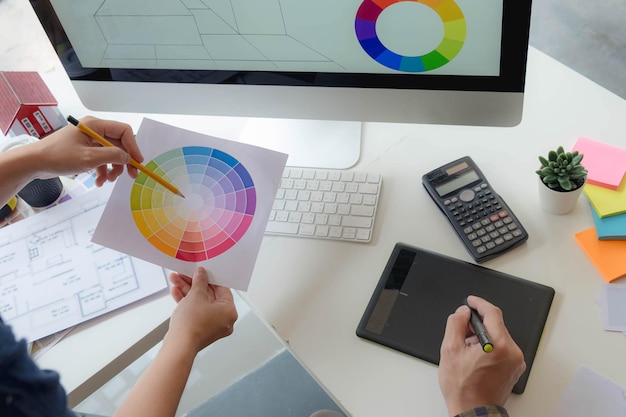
(419, 289)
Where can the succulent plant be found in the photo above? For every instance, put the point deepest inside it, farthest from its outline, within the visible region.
(562, 170)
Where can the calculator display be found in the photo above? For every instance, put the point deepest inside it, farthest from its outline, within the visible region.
(457, 182)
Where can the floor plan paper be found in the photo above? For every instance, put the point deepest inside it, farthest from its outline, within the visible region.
(53, 277)
(229, 190)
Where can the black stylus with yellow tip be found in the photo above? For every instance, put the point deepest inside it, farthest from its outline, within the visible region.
(479, 329)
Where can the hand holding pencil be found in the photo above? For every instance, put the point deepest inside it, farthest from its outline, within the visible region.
(131, 161)
(68, 151)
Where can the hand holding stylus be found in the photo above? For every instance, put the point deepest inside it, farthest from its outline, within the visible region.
(468, 376)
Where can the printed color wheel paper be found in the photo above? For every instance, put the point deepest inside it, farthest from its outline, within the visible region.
(229, 190)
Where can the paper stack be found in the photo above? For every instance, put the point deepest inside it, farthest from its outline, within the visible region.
(605, 243)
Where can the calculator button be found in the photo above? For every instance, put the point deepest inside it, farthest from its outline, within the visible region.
(467, 195)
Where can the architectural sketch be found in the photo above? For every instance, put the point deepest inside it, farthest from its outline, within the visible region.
(205, 34)
(53, 277)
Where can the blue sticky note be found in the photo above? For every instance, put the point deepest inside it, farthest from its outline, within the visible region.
(610, 227)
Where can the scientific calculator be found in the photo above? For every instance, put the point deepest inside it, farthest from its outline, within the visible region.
(482, 220)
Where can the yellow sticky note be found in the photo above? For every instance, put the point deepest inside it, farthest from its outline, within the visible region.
(605, 201)
(608, 256)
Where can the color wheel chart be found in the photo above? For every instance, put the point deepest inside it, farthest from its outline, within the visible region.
(218, 208)
(454, 32)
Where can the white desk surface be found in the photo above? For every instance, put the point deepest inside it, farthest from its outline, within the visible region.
(314, 291)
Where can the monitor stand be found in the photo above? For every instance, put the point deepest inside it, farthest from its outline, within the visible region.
(309, 143)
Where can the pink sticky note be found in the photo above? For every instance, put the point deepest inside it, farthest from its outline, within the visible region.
(605, 163)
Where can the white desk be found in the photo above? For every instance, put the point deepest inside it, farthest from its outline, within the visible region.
(314, 292)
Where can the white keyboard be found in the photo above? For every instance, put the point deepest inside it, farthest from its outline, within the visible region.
(325, 204)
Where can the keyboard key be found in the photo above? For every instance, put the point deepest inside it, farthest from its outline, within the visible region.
(282, 227)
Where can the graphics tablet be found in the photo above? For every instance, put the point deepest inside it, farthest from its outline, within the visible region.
(419, 289)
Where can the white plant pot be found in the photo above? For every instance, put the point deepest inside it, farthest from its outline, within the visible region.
(558, 202)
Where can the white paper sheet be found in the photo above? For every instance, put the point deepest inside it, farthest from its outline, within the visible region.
(612, 300)
(229, 190)
(53, 277)
(591, 395)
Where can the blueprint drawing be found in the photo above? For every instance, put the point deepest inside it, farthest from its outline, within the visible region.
(53, 277)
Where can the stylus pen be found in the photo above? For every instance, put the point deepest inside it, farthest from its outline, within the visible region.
(94, 135)
(479, 328)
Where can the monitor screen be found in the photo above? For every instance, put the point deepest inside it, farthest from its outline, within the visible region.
(417, 61)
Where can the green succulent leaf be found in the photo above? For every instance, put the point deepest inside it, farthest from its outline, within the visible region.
(565, 183)
(552, 155)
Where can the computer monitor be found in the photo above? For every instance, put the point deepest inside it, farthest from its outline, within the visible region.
(298, 67)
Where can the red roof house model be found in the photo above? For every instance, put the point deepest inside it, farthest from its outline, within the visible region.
(27, 106)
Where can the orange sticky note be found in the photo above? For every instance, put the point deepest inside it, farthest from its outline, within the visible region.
(608, 256)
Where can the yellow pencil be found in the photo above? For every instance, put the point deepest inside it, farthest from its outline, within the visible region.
(94, 135)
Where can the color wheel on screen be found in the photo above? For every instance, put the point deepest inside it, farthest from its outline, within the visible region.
(454, 26)
(218, 208)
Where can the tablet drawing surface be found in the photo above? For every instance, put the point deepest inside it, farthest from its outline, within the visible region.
(419, 289)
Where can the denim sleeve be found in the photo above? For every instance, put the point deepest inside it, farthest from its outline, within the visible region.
(485, 411)
(26, 390)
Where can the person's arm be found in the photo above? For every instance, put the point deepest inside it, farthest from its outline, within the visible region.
(471, 379)
(69, 151)
(25, 389)
(204, 314)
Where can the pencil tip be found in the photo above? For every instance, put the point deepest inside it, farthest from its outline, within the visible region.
(181, 194)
